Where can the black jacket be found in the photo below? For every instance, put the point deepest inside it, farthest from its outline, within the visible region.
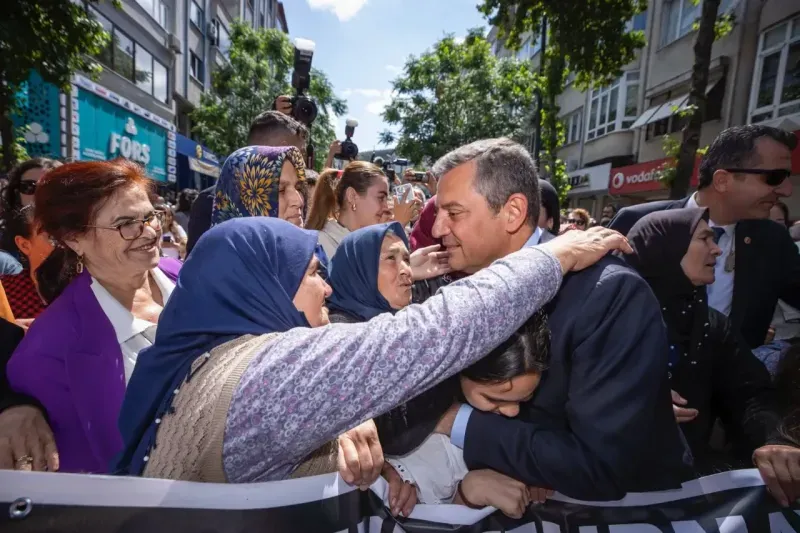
(767, 268)
(200, 217)
(729, 383)
(10, 336)
(602, 415)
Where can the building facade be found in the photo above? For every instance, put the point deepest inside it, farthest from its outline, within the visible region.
(155, 70)
(754, 77)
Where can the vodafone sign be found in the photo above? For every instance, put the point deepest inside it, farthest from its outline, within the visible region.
(641, 177)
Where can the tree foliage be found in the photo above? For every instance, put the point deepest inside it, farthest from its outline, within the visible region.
(457, 93)
(259, 70)
(590, 39)
(54, 37)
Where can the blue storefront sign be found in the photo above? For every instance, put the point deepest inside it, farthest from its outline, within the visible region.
(198, 167)
(37, 123)
(106, 126)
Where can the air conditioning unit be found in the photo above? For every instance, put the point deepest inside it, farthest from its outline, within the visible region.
(212, 31)
(174, 44)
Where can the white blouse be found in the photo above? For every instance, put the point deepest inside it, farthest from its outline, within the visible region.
(435, 468)
(331, 235)
(133, 334)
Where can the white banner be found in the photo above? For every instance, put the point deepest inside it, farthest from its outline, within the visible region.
(730, 502)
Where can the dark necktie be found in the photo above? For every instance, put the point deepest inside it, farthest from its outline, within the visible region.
(718, 233)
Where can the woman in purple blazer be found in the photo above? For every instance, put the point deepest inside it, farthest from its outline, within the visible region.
(108, 284)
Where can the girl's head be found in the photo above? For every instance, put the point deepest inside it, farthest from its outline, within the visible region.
(360, 196)
(26, 236)
(261, 181)
(167, 216)
(511, 372)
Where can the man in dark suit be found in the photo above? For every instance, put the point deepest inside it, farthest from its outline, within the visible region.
(271, 128)
(600, 424)
(743, 174)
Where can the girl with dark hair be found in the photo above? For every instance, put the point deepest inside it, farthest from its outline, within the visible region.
(712, 372)
(33, 247)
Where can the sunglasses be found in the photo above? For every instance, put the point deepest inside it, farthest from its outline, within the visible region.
(576, 221)
(772, 176)
(27, 187)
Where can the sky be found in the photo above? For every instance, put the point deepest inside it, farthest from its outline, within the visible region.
(362, 46)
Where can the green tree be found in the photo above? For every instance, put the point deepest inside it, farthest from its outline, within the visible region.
(457, 93)
(589, 38)
(709, 28)
(260, 69)
(56, 38)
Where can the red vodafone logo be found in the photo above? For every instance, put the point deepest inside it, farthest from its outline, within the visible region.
(641, 177)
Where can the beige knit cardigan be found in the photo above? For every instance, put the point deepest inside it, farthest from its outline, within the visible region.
(189, 441)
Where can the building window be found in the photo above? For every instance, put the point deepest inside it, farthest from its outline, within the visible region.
(572, 126)
(144, 70)
(196, 15)
(157, 9)
(637, 23)
(132, 61)
(249, 16)
(163, 14)
(614, 107)
(223, 38)
(123, 54)
(678, 17)
(160, 82)
(525, 50)
(196, 65)
(776, 86)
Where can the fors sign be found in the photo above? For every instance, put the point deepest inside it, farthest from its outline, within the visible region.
(127, 147)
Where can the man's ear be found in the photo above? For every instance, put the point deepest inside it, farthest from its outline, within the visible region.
(721, 180)
(515, 212)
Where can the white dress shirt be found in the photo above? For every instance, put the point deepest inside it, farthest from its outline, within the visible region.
(720, 293)
(133, 334)
(435, 468)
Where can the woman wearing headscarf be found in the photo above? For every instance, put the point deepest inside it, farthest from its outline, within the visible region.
(422, 238)
(712, 373)
(261, 181)
(549, 216)
(244, 384)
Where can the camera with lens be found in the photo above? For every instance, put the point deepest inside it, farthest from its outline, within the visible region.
(349, 150)
(304, 110)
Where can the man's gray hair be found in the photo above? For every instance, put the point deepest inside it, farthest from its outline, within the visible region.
(502, 168)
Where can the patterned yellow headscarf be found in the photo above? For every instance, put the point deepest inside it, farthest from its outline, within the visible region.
(248, 185)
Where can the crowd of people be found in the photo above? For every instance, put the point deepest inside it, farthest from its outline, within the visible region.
(479, 347)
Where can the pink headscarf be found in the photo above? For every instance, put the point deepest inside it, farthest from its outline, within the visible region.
(422, 234)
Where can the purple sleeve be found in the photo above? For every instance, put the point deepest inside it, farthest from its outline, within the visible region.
(310, 385)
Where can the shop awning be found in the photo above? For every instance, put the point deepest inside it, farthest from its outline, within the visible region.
(204, 168)
(667, 109)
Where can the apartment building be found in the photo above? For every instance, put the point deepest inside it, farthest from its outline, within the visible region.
(614, 135)
(155, 70)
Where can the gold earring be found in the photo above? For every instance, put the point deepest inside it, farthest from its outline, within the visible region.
(79, 266)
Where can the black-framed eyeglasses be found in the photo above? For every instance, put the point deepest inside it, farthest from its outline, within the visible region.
(772, 176)
(130, 230)
(27, 187)
(576, 221)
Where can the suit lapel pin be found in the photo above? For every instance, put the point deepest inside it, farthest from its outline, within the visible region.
(747, 240)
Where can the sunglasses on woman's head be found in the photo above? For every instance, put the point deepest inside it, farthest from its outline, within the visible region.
(27, 187)
(575, 221)
(772, 176)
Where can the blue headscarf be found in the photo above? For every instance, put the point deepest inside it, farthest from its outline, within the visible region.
(248, 184)
(240, 279)
(354, 272)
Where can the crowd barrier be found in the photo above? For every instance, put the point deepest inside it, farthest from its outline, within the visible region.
(730, 502)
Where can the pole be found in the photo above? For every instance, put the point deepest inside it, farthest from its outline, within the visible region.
(538, 141)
